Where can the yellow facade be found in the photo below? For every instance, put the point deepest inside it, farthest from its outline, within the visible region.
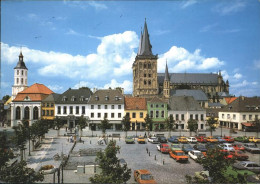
(48, 110)
(137, 118)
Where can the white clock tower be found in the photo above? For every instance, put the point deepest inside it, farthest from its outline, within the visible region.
(20, 77)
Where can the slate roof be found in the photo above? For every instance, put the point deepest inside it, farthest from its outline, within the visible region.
(198, 95)
(243, 104)
(156, 100)
(184, 103)
(219, 105)
(107, 96)
(20, 64)
(135, 103)
(212, 112)
(190, 78)
(74, 96)
(52, 98)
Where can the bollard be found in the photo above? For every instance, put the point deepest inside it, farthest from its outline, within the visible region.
(154, 157)
(163, 161)
(149, 153)
(146, 150)
(90, 141)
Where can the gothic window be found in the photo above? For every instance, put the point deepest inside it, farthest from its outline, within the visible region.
(26, 113)
(144, 82)
(144, 65)
(35, 113)
(18, 113)
(149, 65)
(149, 82)
(144, 74)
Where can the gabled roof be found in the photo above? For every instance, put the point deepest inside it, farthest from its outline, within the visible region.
(135, 103)
(198, 95)
(37, 89)
(156, 100)
(29, 97)
(190, 78)
(107, 96)
(74, 96)
(184, 103)
(52, 98)
(243, 104)
(230, 99)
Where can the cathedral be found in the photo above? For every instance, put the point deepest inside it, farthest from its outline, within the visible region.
(148, 83)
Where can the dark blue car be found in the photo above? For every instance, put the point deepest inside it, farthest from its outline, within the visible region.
(173, 139)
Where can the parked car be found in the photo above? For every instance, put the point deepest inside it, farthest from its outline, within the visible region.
(186, 148)
(192, 140)
(211, 146)
(175, 147)
(200, 147)
(251, 148)
(227, 154)
(239, 147)
(227, 146)
(211, 139)
(248, 165)
(129, 140)
(239, 155)
(141, 140)
(220, 139)
(164, 148)
(182, 140)
(162, 139)
(143, 176)
(254, 139)
(195, 154)
(153, 140)
(173, 139)
(179, 156)
(229, 139)
(242, 139)
(204, 176)
(201, 139)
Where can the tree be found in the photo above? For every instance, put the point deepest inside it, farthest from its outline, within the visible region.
(83, 122)
(169, 122)
(58, 124)
(148, 123)
(192, 125)
(256, 124)
(211, 123)
(5, 153)
(5, 98)
(126, 121)
(104, 125)
(112, 170)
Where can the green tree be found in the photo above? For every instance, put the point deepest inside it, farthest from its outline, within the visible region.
(83, 122)
(148, 123)
(5, 98)
(104, 125)
(58, 124)
(126, 121)
(192, 125)
(169, 123)
(211, 123)
(5, 153)
(112, 170)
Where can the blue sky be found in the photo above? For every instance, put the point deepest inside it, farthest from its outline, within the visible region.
(94, 43)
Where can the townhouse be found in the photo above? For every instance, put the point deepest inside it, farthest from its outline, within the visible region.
(48, 106)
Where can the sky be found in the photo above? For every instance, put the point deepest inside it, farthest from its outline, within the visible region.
(71, 44)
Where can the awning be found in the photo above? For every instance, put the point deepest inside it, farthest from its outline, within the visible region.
(247, 124)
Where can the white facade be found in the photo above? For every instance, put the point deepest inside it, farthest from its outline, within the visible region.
(182, 117)
(235, 119)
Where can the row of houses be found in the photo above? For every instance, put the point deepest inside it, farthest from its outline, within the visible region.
(39, 102)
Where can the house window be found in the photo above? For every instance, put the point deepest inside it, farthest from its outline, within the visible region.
(127, 114)
(157, 114)
(65, 110)
(52, 112)
(26, 113)
(112, 106)
(151, 114)
(99, 106)
(47, 113)
(105, 106)
(77, 109)
(43, 112)
(144, 82)
(234, 116)
(92, 106)
(157, 105)
(133, 115)
(17, 80)
(256, 117)
(162, 114)
(151, 105)
(92, 115)
(47, 105)
(149, 75)
(197, 117)
(18, 113)
(244, 117)
(162, 105)
(141, 114)
(144, 74)
(119, 115)
(83, 109)
(112, 115)
(21, 80)
(22, 72)
(228, 116)
(144, 65)
(250, 117)
(119, 106)
(17, 72)
(201, 117)
(182, 117)
(99, 115)
(52, 104)
(59, 110)
(191, 116)
(71, 109)
(149, 82)
(105, 115)
(35, 113)
(177, 116)
(223, 116)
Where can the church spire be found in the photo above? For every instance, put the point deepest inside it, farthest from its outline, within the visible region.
(167, 76)
(140, 43)
(146, 47)
(21, 64)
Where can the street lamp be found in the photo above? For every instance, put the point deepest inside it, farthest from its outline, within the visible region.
(136, 128)
(29, 141)
(179, 123)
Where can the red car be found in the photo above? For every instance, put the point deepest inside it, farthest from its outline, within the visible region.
(239, 155)
(228, 139)
(239, 147)
(228, 155)
(164, 148)
(179, 156)
(201, 139)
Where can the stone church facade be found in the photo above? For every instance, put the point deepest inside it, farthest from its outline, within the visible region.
(148, 83)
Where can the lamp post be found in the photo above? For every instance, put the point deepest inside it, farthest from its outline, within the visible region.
(136, 128)
(179, 123)
(29, 141)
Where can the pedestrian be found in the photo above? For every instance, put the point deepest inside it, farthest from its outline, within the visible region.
(145, 135)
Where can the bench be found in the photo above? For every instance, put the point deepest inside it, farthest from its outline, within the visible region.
(116, 135)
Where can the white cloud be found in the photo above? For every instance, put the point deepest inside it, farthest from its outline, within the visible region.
(32, 16)
(161, 32)
(225, 75)
(55, 88)
(257, 64)
(238, 76)
(97, 6)
(208, 27)
(188, 3)
(72, 32)
(179, 60)
(127, 85)
(229, 7)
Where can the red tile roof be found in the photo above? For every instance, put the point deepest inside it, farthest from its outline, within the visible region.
(135, 103)
(230, 99)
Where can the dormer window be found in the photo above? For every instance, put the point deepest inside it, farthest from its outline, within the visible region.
(81, 98)
(73, 98)
(97, 98)
(107, 98)
(27, 98)
(64, 99)
(116, 98)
